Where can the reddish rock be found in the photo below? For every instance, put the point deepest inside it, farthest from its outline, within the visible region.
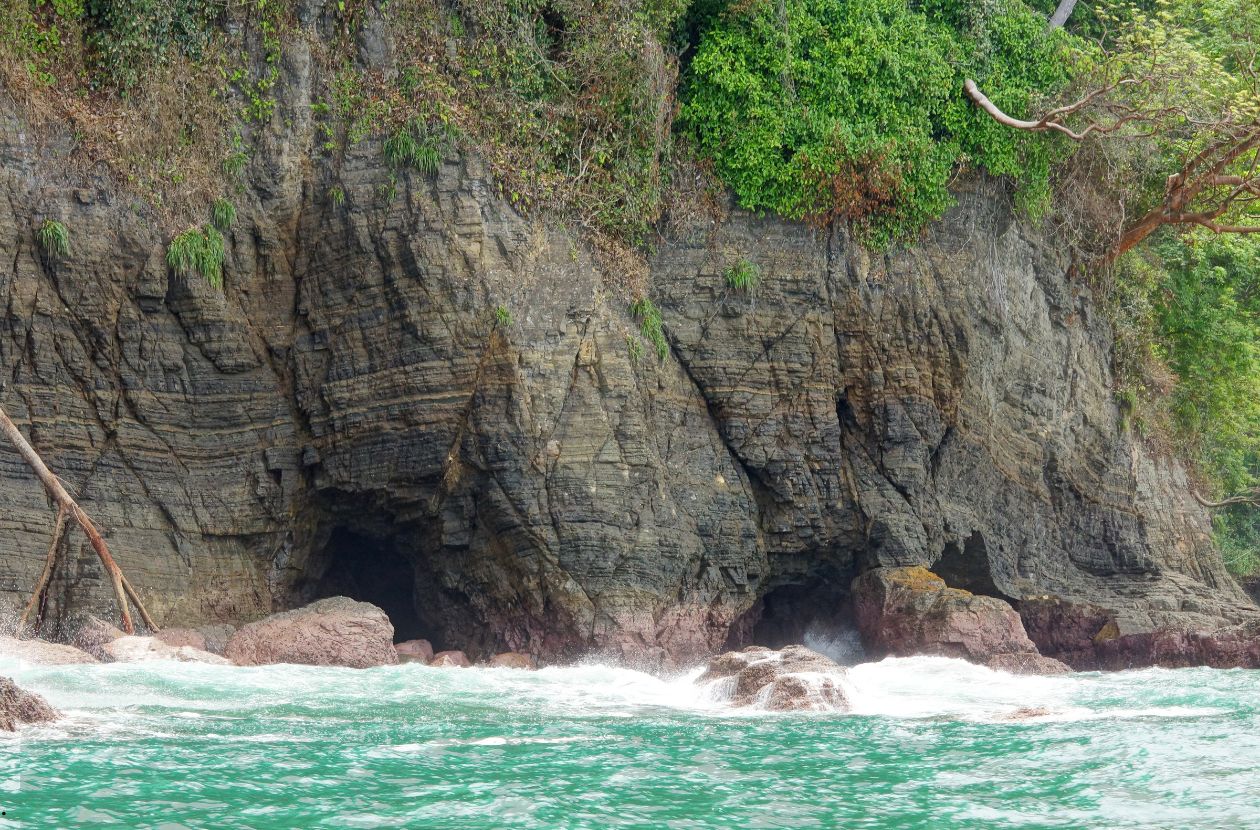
(177, 637)
(908, 611)
(18, 706)
(450, 659)
(513, 660)
(414, 651)
(331, 632)
(44, 654)
(791, 679)
(1089, 637)
(129, 649)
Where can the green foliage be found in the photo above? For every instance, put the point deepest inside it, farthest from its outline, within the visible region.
(743, 275)
(650, 325)
(198, 251)
(1187, 316)
(815, 109)
(502, 317)
(55, 238)
(126, 38)
(337, 195)
(223, 214)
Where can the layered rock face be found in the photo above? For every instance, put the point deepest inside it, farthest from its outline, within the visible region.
(350, 415)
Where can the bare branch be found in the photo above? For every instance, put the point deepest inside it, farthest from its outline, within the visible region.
(1061, 14)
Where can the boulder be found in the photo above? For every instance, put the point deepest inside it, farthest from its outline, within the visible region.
(44, 653)
(414, 651)
(18, 706)
(91, 633)
(791, 679)
(513, 660)
(908, 611)
(132, 649)
(450, 659)
(177, 637)
(216, 637)
(331, 632)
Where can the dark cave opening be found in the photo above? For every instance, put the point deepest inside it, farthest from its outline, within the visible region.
(967, 567)
(372, 570)
(817, 613)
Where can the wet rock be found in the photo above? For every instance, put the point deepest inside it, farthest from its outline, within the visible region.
(18, 706)
(132, 649)
(182, 637)
(791, 679)
(414, 651)
(513, 660)
(91, 633)
(908, 611)
(43, 653)
(450, 659)
(331, 632)
(1027, 662)
(216, 637)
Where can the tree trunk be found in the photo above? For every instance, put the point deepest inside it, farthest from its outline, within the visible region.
(1061, 14)
(55, 489)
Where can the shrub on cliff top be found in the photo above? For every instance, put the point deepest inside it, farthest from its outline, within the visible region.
(815, 109)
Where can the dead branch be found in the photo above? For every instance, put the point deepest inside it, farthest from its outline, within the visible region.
(66, 504)
(1251, 497)
(46, 574)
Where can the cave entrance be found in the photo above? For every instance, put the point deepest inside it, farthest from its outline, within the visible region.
(372, 570)
(816, 612)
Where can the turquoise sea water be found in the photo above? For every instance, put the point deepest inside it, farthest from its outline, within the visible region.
(933, 743)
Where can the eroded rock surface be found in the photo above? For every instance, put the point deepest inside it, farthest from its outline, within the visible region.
(909, 611)
(450, 660)
(18, 706)
(347, 417)
(331, 632)
(790, 679)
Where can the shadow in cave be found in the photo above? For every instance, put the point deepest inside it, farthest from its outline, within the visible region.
(967, 567)
(372, 570)
(818, 615)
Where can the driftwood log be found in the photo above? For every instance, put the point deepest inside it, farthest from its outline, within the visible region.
(67, 507)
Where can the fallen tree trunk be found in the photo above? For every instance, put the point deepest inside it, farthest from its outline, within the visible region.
(68, 506)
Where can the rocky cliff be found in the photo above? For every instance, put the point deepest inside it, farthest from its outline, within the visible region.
(351, 415)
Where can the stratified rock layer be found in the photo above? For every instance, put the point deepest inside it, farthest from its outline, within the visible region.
(349, 416)
(332, 632)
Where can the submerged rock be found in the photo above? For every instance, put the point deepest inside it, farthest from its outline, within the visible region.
(791, 679)
(43, 653)
(18, 706)
(908, 611)
(331, 632)
(414, 651)
(513, 660)
(450, 659)
(132, 649)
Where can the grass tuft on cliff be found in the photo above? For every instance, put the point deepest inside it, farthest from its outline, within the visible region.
(54, 237)
(198, 250)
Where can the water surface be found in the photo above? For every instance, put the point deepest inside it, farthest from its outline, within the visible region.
(932, 743)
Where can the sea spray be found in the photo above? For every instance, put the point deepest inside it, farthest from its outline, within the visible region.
(934, 743)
